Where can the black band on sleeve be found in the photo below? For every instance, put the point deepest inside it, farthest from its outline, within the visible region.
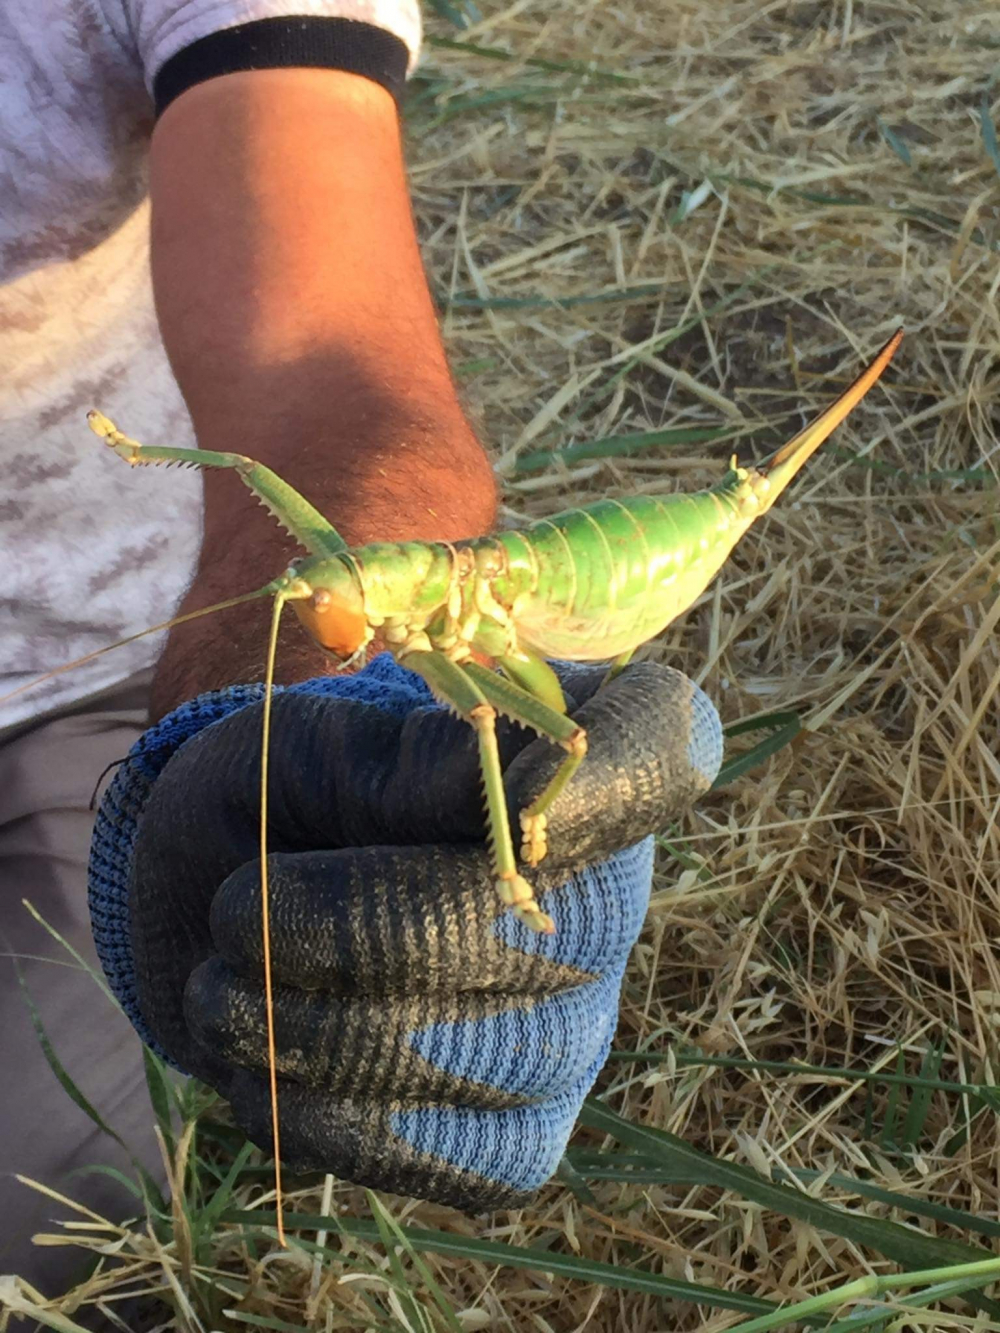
(316, 41)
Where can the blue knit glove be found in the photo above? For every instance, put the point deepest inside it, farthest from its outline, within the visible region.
(428, 1042)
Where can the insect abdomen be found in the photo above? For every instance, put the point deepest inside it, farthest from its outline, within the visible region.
(608, 577)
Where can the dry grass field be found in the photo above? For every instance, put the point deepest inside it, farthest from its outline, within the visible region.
(668, 230)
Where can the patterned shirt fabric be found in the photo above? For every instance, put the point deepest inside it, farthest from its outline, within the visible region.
(91, 550)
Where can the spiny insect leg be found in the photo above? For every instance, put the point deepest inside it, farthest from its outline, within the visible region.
(295, 514)
(453, 685)
(523, 707)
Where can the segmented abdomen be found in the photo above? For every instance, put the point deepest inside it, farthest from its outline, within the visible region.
(595, 582)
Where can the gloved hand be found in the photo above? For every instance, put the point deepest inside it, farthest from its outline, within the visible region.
(428, 1042)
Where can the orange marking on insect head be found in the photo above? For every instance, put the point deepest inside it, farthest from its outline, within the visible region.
(336, 623)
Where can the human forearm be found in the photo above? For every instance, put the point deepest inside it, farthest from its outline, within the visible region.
(295, 312)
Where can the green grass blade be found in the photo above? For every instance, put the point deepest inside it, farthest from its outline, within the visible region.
(156, 1203)
(742, 763)
(937, 1212)
(393, 1234)
(205, 1222)
(690, 1166)
(637, 1168)
(761, 722)
(642, 291)
(536, 62)
(897, 145)
(159, 1093)
(495, 98)
(683, 858)
(988, 131)
(91, 971)
(957, 1141)
(887, 1138)
(412, 1312)
(625, 1168)
(690, 1059)
(619, 446)
(616, 1276)
(102, 1170)
(917, 1301)
(969, 475)
(916, 212)
(868, 1130)
(567, 1174)
(152, 1190)
(861, 1289)
(920, 1100)
(59, 1069)
(449, 12)
(466, 369)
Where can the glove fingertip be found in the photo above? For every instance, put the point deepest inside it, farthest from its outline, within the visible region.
(705, 743)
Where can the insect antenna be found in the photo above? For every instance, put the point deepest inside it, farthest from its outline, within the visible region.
(115, 763)
(268, 591)
(272, 1066)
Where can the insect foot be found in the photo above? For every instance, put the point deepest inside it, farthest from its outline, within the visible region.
(534, 841)
(518, 894)
(106, 429)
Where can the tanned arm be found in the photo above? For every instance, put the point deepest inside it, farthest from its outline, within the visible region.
(295, 312)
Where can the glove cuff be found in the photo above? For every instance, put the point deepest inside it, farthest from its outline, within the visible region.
(115, 832)
(382, 683)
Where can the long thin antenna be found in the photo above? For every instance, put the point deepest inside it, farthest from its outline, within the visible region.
(272, 1065)
(131, 638)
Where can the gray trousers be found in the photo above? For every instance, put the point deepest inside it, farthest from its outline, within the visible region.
(47, 775)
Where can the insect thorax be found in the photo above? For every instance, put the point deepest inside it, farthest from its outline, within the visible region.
(437, 594)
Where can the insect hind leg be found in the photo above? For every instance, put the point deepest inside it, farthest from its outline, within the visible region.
(306, 524)
(524, 707)
(453, 684)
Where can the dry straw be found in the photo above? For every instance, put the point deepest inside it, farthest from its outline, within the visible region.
(713, 240)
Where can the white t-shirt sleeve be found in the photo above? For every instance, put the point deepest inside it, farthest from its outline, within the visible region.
(162, 29)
